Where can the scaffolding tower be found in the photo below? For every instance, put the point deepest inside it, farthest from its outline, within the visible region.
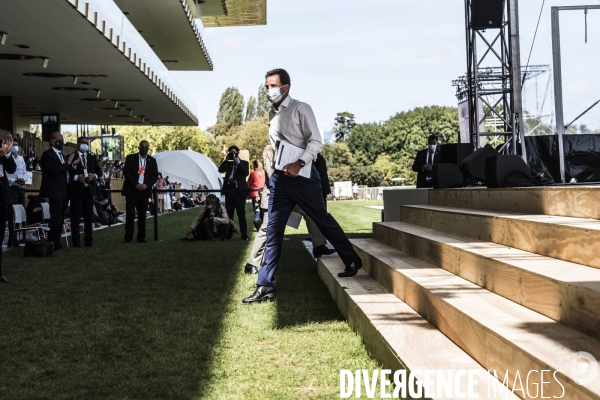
(494, 78)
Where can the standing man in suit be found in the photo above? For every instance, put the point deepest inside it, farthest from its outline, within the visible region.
(424, 162)
(236, 171)
(7, 166)
(294, 122)
(83, 177)
(16, 182)
(55, 184)
(140, 173)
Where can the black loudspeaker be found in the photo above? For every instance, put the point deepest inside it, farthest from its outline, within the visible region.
(474, 165)
(446, 176)
(454, 153)
(486, 14)
(498, 168)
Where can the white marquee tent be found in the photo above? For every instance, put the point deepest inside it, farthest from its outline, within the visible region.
(189, 168)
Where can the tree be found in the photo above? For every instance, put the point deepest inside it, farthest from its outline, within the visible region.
(163, 138)
(263, 105)
(339, 161)
(255, 136)
(344, 123)
(365, 175)
(250, 109)
(231, 107)
(366, 142)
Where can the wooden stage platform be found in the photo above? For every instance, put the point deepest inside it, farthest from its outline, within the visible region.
(504, 280)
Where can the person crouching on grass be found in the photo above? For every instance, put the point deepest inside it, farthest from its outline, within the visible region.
(211, 222)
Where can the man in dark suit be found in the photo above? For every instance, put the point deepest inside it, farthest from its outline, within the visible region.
(83, 177)
(140, 173)
(7, 166)
(236, 171)
(424, 162)
(55, 184)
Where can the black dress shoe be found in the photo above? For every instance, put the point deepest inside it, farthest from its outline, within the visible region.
(261, 293)
(250, 269)
(322, 251)
(351, 269)
(244, 237)
(3, 279)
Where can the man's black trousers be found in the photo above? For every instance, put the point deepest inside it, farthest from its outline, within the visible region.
(238, 203)
(82, 207)
(58, 207)
(132, 204)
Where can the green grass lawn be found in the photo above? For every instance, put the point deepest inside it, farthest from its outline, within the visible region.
(164, 320)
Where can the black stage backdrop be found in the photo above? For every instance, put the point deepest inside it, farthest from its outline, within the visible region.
(582, 156)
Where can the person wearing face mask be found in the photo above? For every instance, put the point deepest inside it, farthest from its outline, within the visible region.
(294, 122)
(211, 222)
(424, 162)
(55, 184)
(83, 178)
(140, 173)
(16, 181)
(236, 170)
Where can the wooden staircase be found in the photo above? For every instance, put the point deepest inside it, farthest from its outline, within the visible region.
(453, 286)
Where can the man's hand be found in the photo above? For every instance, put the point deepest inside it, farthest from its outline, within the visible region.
(139, 186)
(20, 181)
(81, 178)
(188, 232)
(427, 167)
(144, 186)
(70, 159)
(292, 170)
(91, 177)
(237, 160)
(6, 145)
(77, 161)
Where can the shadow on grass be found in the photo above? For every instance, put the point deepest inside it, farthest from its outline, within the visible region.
(118, 320)
(302, 297)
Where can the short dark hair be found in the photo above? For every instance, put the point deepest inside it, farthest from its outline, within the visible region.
(284, 77)
(433, 136)
(234, 147)
(80, 138)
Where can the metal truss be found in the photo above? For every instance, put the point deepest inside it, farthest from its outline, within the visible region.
(494, 79)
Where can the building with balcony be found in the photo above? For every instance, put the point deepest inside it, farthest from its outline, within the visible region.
(107, 62)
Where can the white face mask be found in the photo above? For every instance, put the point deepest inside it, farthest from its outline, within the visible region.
(432, 147)
(275, 95)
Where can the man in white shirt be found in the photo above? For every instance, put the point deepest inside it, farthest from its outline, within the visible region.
(293, 122)
(16, 182)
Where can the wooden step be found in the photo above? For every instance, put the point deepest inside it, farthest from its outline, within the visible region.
(394, 333)
(571, 239)
(501, 335)
(571, 201)
(561, 290)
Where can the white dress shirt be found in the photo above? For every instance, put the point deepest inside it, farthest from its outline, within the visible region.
(84, 164)
(61, 157)
(20, 173)
(295, 123)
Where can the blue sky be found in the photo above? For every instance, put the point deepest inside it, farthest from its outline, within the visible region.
(373, 58)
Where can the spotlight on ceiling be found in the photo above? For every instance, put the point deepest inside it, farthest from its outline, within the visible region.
(116, 104)
(131, 112)
(75, 80)
(98, 93)
(45, 64)
(3, 38)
